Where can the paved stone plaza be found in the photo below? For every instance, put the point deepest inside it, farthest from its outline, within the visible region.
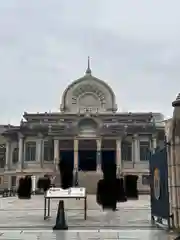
(23, 219)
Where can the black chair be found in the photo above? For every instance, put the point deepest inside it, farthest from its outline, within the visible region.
(24, 188)
(131, 187)
(66, 174)
(44, 183)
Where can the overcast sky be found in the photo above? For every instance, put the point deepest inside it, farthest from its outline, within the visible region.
(44, 44)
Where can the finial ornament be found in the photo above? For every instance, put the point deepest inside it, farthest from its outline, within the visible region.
(176, 103)
(88, 71)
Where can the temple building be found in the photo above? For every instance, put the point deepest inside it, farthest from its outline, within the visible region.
(87, 132)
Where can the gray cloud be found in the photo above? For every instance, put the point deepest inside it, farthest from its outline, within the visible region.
(44, 46)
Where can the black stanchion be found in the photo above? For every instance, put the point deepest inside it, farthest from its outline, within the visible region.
(5, 193)
(60, 218)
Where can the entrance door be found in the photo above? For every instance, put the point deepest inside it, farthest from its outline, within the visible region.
(87, 160)
(87, 155)
(67, 152)
(108, 156)
(68, 157)
(108, 153)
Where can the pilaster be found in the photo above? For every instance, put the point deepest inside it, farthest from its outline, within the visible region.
(8, 154)
(39, 145)
(118, 156)
(21, 150)
(136, 148)
(154, 143)
(56, 153)
(98, 155)
(76, 145)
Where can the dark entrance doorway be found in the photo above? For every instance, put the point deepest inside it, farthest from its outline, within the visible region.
(67, 152)
(108, 152)
(87, 155)
(68, 157)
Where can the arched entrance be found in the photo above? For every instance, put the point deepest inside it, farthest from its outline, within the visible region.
(87, 150)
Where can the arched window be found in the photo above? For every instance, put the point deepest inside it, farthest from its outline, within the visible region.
(87, 125)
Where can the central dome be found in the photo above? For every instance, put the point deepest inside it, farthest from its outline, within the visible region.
(88, 94)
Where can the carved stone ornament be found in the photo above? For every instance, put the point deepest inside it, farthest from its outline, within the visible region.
(87, 88)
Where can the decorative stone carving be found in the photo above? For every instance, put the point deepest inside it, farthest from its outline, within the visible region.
(87, 127)
(87, 89)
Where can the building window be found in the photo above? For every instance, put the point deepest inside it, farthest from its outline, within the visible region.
(48, 151)
(144, 151)
(126, 152)
(145, 180)
(30, 151)
(15, 155)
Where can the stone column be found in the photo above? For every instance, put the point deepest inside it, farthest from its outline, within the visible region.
(33, 178)
(40, 149)
(172, 183)
(154, 143)
(98, 155)
(8, 154)
(118, 156)
(56, 153)
(136, 148)
(76, 164)
(21, 148)
(76, 143)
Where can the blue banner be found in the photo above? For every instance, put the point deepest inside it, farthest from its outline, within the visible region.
(159, 184)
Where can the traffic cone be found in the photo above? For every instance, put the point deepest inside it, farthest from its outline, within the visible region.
(60, 219)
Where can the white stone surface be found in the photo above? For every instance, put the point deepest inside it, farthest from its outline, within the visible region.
(23, 219)
(68, 193)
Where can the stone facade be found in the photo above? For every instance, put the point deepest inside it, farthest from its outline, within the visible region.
(173, 147)
(87, 120)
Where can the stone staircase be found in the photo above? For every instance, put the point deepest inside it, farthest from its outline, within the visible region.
(88, 180)
(57, 180)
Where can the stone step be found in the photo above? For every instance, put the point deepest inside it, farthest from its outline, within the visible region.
(89, 180)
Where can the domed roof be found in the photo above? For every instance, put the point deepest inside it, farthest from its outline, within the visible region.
(88, 93)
